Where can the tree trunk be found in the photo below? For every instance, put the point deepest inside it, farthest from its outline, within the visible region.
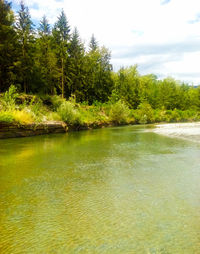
(24, 79)
(62, 78)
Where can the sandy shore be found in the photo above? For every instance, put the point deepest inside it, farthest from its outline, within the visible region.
(189, 131)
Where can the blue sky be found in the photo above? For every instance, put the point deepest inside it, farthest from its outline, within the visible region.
(161, 36)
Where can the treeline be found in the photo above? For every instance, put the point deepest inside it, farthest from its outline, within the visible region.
(54, 61)
(167, 94)
(51, 60)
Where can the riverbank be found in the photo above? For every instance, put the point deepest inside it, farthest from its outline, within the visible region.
(13, 130)
(24, 115)
(177, 130)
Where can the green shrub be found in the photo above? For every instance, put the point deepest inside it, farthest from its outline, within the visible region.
(144, 113)
(38, 110)
(56, 102)
(6, 117)
(53, 116)
(9, 98)
(68, 113)
(160, 115)
(92, 114)
(23, 116)
(119, 112)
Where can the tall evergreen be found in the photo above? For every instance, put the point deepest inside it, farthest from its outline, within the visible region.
(61, 34)
(46, 59)
(93, 43)
(7, 46)
(26, 41)
(76, 72)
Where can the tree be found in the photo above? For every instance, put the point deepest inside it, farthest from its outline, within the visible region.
(75, 67)
(93, 43)
(127, 85)
(46, 59)
(99, 75)
(61, 34)
(26, 42)
(8, 41)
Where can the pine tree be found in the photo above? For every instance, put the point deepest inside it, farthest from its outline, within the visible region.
(61, 34)
(93, 43)
(7, 46)
(76, 66)
(26, 39)
(46, 60)
(44, 28)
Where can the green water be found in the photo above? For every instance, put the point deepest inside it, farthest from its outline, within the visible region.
(114, 190)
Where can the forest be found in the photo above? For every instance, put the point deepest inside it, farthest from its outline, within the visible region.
(48, 73)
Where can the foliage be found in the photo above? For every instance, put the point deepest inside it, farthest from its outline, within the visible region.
(6, 117)
(68, 113)
(144, 113)
(93, 115)
(22, 116)
(119, 113)
(56, 102)
(53, 116)
(9, 98)
(8, 46)
(24, 27)
(61, 36)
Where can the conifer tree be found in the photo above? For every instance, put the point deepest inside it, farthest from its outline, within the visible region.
(93, 43)
(76, 66)
(26, 41)
(7, 45)
(61, 34)
(46, 59)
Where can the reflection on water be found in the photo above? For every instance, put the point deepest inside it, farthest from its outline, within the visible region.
(117, 190)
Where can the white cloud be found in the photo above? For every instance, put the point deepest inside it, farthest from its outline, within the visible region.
(121, 25)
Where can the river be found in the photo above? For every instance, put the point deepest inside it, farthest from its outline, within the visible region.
(131, 189)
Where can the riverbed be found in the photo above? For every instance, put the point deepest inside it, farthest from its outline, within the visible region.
(132, 189)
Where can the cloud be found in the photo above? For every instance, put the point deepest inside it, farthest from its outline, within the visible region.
(188, 74)
(160, 49)
(163, 2)
(195, 20)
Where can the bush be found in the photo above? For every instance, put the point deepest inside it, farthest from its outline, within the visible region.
(144, 113)
(92, 114)
(22, 116)
(18, 116)
(68, 113)
(119, 112)
(37, 109)
(9, 98)
(53, 116)
(56, 102)
(160, 115)
(6, 117)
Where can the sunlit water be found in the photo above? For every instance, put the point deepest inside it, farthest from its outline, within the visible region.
(114, 190)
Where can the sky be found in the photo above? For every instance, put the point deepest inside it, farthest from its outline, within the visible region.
(160, 36)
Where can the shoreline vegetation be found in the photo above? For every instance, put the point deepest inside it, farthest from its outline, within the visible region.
(24, 115)
(49, 76)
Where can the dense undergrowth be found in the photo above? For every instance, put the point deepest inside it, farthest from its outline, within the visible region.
(26, 109)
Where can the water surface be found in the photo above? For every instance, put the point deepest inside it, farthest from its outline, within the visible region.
(114, 190)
